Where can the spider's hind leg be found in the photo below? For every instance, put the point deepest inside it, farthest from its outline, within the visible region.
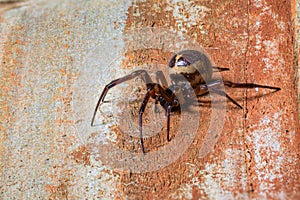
(220, 69)
(249, 85)
(213, 87)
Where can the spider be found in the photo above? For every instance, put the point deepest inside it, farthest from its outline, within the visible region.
(191, 73)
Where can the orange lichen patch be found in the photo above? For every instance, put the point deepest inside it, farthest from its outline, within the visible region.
(81, 155)
(62, 71)
(8, 87)
(51, 188)
(37, 89)
(58, 192)
(61, 179)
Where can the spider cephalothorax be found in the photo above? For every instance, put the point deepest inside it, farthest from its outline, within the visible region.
(190, 73)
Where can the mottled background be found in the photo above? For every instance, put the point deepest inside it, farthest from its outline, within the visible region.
(56, 58)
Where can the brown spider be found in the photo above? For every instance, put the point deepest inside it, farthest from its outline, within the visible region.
(191, 73)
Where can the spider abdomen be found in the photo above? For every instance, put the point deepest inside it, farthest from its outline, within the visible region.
(193, 65)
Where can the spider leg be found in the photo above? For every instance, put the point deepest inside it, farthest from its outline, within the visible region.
(204, 88)
(170, 100)
(220, 69)
(145, 76)
(169, 108)
(142, 109)
(160, 78)
(248, 85)
(157, 92)
(222, 93)
(219, 92)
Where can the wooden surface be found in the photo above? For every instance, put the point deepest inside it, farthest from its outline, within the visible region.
(57, 57)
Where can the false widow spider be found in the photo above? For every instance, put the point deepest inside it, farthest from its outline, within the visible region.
(191, 73)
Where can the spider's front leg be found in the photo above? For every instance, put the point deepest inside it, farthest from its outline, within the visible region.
(144, 74)
(166, 98)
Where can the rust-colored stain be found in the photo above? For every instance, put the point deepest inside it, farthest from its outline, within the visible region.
(58, 192)
(145, 56)
(10, 82)
(18, 90)
(158, 13)
(248, 40)
(81, 155)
